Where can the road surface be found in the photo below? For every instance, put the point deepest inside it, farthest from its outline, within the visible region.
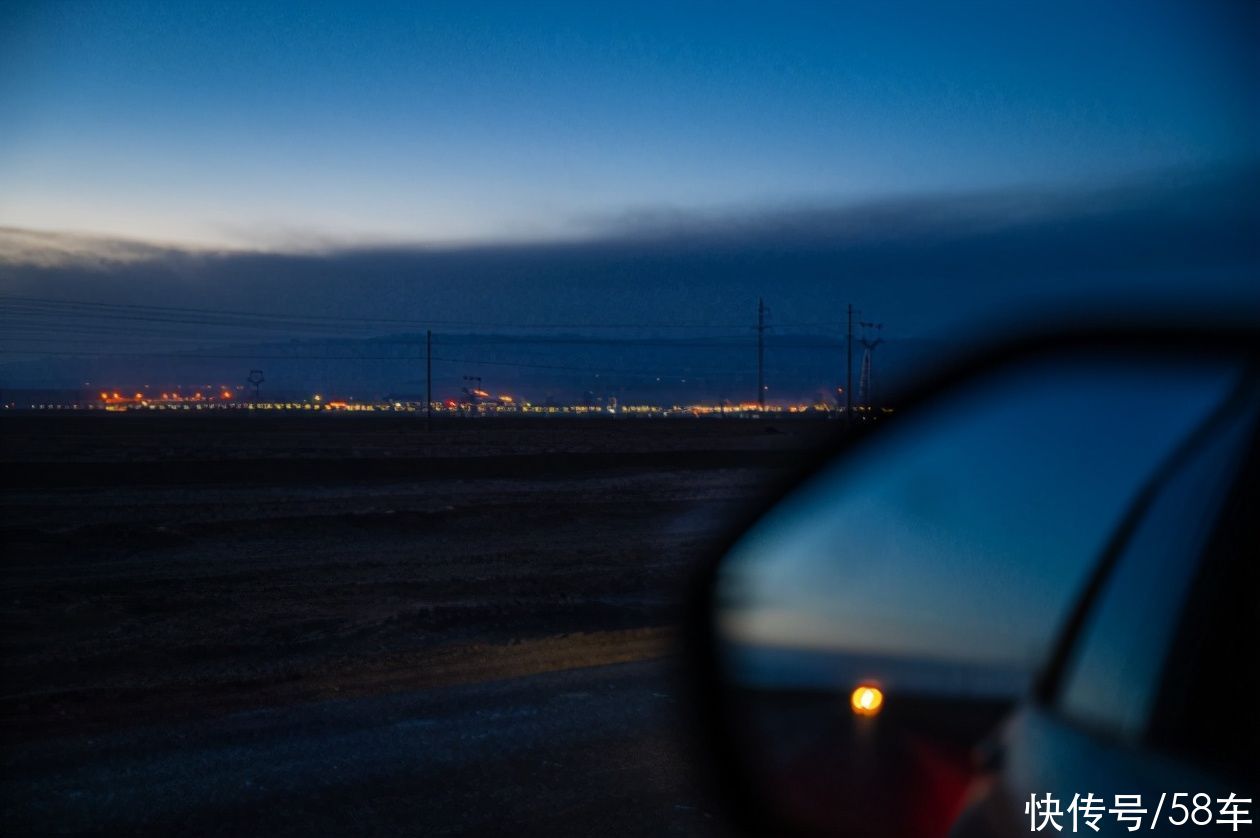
(574, 752)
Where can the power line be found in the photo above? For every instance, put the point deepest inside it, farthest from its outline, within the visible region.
(188, 356)
(158, 331)
(148, 312)
(505, 340)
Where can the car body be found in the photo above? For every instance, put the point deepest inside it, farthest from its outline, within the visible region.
(1172, 611)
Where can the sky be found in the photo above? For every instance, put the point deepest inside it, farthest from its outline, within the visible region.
(950, 169)
(282, 126)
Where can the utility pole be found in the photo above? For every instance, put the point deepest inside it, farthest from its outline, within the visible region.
(848, 367)
(428, 379)
(761, 354)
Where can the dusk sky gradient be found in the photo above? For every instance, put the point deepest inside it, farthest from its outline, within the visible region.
(950, 168)
(295, 125)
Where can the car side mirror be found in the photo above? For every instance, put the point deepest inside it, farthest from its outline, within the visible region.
(858, 644)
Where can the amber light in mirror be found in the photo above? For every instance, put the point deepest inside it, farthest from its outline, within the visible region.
(867, 700)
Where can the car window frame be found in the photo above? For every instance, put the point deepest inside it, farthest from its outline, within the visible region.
(1240, 406)
(1230, 569)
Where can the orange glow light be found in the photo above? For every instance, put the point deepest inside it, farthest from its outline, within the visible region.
(867, 700)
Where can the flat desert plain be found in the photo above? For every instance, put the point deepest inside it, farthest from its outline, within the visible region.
(292, 622)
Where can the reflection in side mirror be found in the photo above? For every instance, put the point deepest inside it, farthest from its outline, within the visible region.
(880, 622)
(867, 700)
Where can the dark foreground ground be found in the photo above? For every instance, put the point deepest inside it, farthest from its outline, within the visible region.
(227, 624)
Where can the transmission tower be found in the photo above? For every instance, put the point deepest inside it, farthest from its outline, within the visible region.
(473, 389)
(256, 379)
(868, 350)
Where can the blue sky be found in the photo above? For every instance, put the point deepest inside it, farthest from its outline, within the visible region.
(279, 126)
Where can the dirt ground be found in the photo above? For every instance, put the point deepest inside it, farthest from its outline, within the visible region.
(169, 568)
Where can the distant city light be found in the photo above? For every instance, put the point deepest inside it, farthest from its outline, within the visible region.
(476, 402)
